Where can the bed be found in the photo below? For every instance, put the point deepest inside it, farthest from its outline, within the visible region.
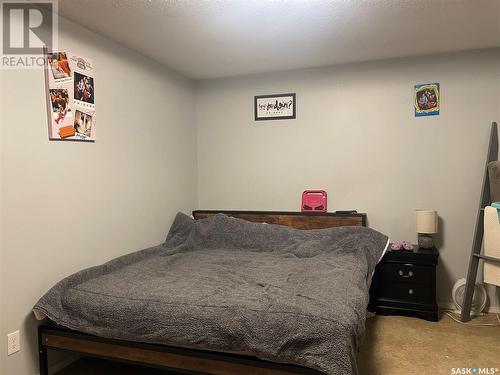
(228, 292)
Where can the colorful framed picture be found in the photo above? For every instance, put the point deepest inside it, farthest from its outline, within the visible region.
(274, 107)
(427, 99)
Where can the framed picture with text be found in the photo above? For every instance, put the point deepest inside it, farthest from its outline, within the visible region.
(275, 107)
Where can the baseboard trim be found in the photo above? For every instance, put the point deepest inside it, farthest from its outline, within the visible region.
(493, 309)
(451, 306)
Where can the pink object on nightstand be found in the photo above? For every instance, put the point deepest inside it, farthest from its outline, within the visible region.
(314, 201)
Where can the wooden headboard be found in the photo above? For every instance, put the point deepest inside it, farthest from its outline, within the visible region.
(298, 220)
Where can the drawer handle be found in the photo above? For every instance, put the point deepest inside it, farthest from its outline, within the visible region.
(410, 291)
(402, 274)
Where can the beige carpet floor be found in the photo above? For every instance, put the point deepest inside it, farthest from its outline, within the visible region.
(400, 345)
(394, 345)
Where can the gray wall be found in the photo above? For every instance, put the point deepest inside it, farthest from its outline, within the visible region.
(356, 137)
(70, 205)
(65, 206)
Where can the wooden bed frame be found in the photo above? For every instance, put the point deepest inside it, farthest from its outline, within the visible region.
(53, 337)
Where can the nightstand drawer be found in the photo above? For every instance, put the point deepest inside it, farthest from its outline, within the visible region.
(406, 273)
(416, 293)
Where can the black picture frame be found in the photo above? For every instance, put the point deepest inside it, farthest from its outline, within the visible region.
(275, 96)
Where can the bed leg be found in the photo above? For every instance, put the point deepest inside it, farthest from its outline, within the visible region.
(42, 355)
(44, 369)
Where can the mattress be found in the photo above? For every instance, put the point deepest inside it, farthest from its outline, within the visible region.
(227, 285)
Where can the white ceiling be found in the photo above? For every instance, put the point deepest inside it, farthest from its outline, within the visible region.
(209, 39)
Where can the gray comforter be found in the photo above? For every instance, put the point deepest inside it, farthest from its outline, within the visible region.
(224, 284)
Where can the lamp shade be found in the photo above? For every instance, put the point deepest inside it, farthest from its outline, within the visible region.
(426, 221)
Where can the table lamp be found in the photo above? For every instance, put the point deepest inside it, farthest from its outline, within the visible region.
(426, 225)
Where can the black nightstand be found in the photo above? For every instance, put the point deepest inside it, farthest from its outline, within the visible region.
(404, 283)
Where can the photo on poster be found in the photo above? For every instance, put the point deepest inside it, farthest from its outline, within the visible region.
(59, 65)
(60, 104)
(427, 99)
(59, 99)
(83, 123)
(84, 88)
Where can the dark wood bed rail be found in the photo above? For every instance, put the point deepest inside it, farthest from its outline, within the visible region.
(157, 356)
(51, 337)
(298, 220)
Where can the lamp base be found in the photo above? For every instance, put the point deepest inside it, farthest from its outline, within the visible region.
(425, 241)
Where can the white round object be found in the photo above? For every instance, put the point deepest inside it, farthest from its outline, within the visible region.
(479, 297)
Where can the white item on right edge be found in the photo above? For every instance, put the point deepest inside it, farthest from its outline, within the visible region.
(491, 245)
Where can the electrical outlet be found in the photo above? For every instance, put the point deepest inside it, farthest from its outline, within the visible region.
(13, 343)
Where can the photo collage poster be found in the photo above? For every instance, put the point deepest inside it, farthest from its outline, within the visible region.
(70, 96)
